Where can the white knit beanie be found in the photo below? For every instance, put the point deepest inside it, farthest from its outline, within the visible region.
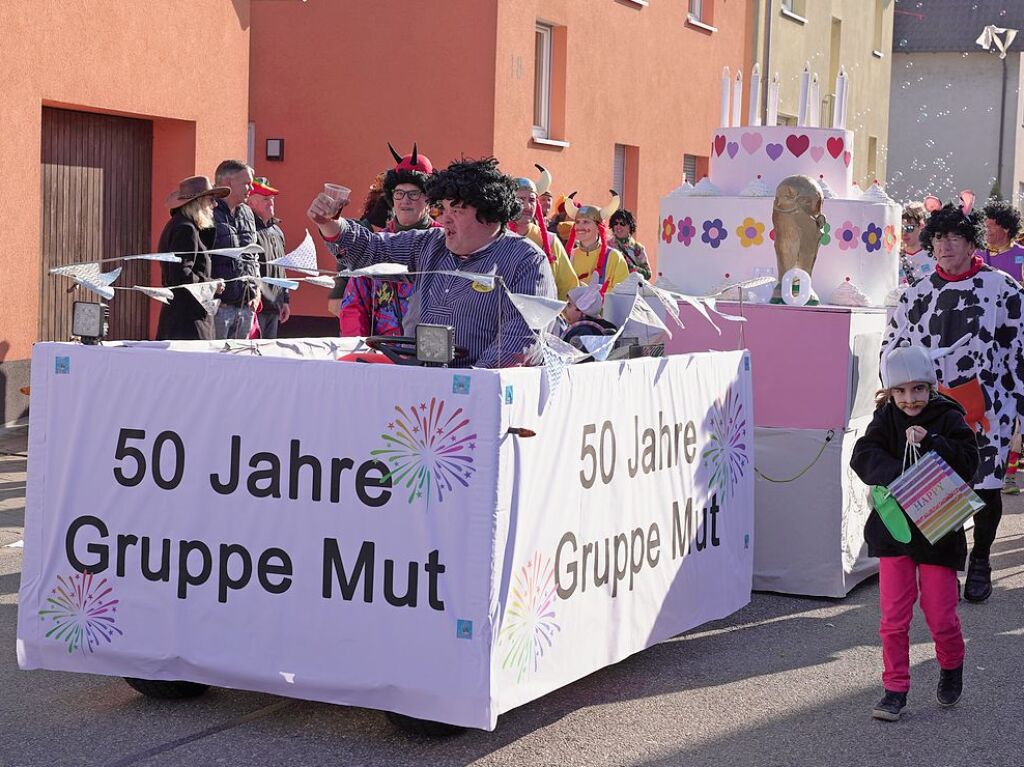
(906, 364)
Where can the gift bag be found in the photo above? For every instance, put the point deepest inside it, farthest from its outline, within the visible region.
(934, 496)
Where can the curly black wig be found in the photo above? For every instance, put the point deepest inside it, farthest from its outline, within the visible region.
(949, 219)
(1004, 214)
(395, 177)
(477, 183)
(623, 216)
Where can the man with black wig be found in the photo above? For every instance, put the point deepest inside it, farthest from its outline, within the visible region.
(477, 201)
(964, 296)
(1002, 225)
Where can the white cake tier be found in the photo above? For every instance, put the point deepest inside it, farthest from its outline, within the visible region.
(740, 155)
(708, 242)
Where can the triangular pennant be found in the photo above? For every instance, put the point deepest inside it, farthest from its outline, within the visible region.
(163, 295)
(281, 283)
(380, 271)
(90, 277)
(538, 311)
(204, 293)
(323, 281)
(484, 280)
(236, 253)
(642, 319)
(168, 257)
(302, 259)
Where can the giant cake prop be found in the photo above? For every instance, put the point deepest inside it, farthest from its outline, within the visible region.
(719, 231)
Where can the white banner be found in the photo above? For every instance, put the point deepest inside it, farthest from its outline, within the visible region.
(371, 535)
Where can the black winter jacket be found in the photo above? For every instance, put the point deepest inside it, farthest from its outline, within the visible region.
(185, 318)
(878, 460)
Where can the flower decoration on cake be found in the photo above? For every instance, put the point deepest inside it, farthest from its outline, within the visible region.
(847, 236)
(668, 228)
(872, 238)
(750, 232)
(826, 234)
(687, 231)
(714, 233)
(889, 237)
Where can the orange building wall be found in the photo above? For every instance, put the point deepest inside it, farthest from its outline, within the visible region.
(638, 76)
(147, 58)
(337, 80)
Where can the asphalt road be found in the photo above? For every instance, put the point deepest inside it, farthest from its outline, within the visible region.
(786, 681)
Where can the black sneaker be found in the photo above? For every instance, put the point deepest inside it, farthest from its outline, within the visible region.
(951, 685)
(890, 706)
(978, 586)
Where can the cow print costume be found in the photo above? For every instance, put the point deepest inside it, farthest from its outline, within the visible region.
(935, 313)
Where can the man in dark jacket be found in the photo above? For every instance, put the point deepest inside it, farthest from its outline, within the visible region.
(274, 308)
(236, 228)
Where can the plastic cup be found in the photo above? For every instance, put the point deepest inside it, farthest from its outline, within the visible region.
(338, 194)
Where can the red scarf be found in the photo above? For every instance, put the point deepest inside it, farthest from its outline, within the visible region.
(976, 263)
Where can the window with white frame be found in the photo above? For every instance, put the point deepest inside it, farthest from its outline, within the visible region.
(619, 168)
(542, 82)
(690, 168)
(696, 10)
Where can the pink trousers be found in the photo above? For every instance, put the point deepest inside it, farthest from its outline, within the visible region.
(898, 579)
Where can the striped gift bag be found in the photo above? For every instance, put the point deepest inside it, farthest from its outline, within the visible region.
(935, 497)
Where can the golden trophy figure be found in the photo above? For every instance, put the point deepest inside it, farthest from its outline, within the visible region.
(796, 215)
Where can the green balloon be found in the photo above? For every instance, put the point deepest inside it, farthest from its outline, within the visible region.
(891, 513)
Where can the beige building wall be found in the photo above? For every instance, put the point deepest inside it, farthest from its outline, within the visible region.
(854, 34)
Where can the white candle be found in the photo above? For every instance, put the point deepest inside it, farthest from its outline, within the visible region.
(754, 111)
(772, 116)
(805, 81)
(813, 105)
(737, 100)
(724, 118)
(842, 93)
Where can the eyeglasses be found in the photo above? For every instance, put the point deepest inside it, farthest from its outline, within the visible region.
(908, 228)
(412, 194)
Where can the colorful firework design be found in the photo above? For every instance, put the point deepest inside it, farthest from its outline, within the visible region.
(529, 626)
(726, 454)
(428, 449)
(82, 612)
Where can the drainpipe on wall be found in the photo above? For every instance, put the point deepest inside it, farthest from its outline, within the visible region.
(1002, 127)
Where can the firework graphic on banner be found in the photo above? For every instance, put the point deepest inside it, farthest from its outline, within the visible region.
(428, 449)
(81, 611)
(529, 626)
(726, 454)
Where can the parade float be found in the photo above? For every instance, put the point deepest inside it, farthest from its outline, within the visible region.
(780, 205)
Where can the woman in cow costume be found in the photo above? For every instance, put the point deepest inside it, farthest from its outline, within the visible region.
(966, 296)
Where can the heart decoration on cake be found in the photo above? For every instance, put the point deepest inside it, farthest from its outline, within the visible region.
(719, 145)
(835, 145)
(732, 148)
(798, 144)
(846, 159)
(751, 142)
(774, 150)
(817, 153)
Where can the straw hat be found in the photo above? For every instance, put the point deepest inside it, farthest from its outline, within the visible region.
(192, 188)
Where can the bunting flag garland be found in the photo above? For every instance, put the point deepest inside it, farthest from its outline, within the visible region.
(642, 319)
(236, 253)
(302, 259)
(381, 271)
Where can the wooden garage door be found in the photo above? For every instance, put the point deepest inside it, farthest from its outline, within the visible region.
(96, 187)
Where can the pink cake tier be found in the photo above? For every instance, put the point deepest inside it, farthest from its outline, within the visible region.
(711, 241)
(739, 155)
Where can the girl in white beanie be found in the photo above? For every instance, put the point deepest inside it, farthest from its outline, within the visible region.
(911, 410)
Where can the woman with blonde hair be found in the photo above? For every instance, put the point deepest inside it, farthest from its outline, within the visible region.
(188, 233)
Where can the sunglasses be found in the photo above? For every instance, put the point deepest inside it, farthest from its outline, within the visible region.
(908, 228)
(414, 195)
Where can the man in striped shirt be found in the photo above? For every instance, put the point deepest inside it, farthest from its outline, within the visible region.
(477, 202)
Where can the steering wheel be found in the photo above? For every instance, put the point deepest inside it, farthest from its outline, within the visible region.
(402, 349)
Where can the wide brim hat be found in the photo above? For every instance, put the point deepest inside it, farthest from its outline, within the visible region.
(193, 188)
